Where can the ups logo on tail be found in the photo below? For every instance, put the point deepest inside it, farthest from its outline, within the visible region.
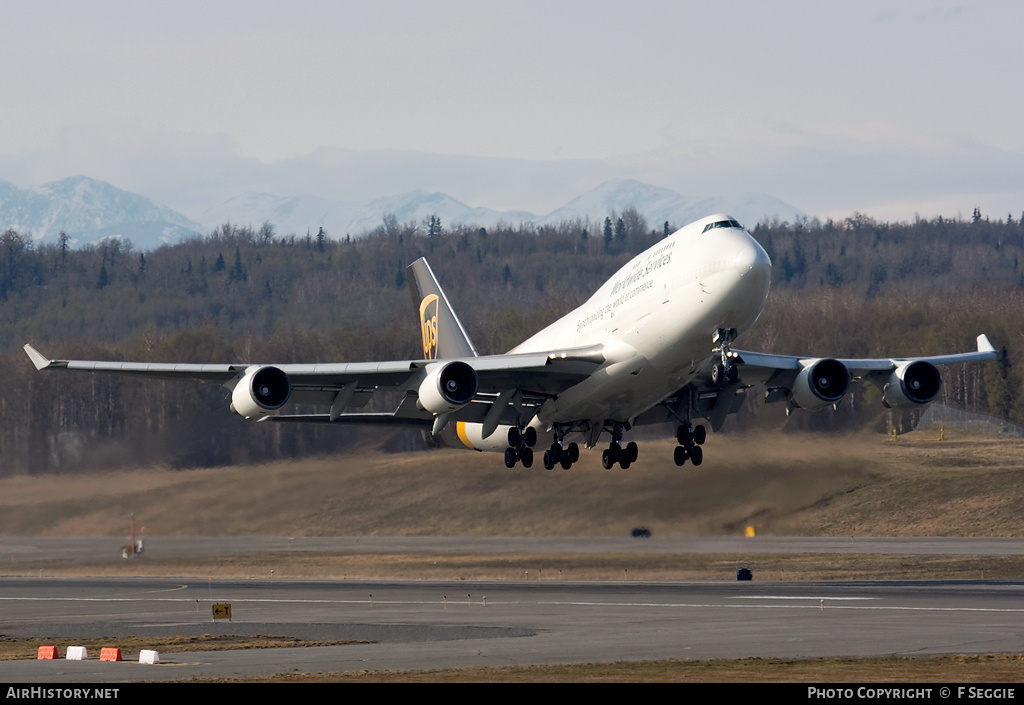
(428, 326)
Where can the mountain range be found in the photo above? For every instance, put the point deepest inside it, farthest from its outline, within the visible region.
(89, 210)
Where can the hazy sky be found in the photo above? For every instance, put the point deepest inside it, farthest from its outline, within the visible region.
(885, 107)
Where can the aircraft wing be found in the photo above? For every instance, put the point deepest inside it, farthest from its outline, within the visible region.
(518, 378)
(811, 382)
(785, 368)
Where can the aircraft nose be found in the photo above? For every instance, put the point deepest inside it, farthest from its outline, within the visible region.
(753, 268)
(750, 257)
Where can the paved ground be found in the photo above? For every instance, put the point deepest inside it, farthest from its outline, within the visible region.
(88, 549)
(423, 625)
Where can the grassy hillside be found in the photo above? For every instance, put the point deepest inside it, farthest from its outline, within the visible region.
(800, 484)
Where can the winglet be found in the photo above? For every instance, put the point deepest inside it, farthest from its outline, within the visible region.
(38, 359)
(984, 345)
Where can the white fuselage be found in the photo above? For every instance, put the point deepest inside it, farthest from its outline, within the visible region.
(656, 319)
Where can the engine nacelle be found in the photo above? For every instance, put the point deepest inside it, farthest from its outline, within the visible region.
(821, 383)
(260, 391)
(447, 387)
(912, 384)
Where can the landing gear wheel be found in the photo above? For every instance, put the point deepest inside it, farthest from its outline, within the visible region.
(520, 446)
(567, 455)
(690, 440)
(632, 451)
(684, 434)
(612, 455)
(530, 436)
(718, 374)
(549, 462)
(556, 453)
(606, 459)
(526, 455)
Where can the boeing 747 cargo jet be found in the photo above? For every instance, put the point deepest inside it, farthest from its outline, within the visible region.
(654, 344)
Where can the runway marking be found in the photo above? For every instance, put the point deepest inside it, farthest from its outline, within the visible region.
(150, 592)
(798, 597)
(782, 607)
(454, 604)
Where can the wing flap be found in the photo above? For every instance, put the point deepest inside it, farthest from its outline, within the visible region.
(370, 419)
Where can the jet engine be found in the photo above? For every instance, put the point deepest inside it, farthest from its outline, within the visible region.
(447, 387)
(912, 384)
(821, 383)
(260, 391)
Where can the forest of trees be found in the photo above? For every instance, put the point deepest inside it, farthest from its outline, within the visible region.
(852, 288)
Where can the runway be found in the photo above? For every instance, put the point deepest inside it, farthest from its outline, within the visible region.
(93, 549)
(437, 625)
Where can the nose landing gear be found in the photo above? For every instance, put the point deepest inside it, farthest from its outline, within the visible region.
(724, 372)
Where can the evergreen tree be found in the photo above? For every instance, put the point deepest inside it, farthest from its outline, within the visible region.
(238, 273)
(433, 226)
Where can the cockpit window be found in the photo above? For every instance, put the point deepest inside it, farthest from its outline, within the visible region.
(722, 224)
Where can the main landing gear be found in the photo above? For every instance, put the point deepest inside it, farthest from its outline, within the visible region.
(690, 438)
(616, 453)
(520, 442)
(558, 454)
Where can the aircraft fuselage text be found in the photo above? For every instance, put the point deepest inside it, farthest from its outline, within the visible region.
(635, 282)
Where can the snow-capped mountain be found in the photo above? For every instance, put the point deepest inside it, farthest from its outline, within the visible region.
(660, 205)
(89, 210)
(303, 214)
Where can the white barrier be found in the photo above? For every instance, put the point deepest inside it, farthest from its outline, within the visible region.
(149, 656)
(76, 653)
